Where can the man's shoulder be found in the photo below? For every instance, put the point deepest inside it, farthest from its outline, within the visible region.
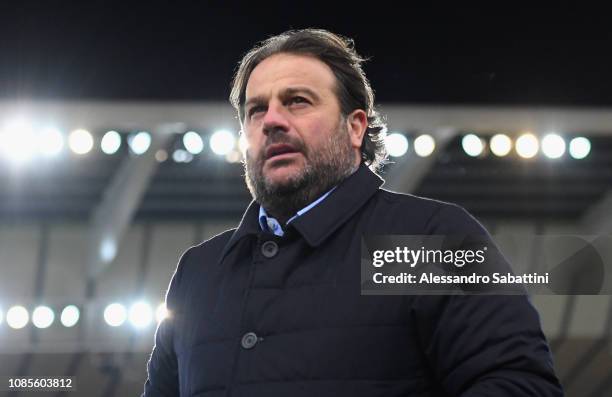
(208, 250)
(215, 243)
(425, 214)
(405, 203)
(411, 200)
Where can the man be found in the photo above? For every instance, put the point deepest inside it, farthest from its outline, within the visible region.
(273, 308)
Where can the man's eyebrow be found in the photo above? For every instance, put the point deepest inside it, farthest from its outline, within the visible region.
(255, 99)
(296, 90)
(285, 93)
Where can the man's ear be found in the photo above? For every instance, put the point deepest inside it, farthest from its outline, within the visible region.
(357, 124)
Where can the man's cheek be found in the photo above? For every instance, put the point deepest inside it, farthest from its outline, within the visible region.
(254, 157)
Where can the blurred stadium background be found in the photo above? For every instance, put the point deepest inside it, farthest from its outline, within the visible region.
(107, 174)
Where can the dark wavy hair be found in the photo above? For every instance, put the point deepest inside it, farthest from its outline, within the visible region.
(352, 89)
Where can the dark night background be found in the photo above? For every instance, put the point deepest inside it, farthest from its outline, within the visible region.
(188, 51)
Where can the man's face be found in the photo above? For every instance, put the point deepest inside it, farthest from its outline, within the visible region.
(293, 127)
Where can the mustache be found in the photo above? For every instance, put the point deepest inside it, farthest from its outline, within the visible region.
(273, 139)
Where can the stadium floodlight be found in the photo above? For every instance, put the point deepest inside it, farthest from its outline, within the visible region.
(115, 314)
(181, 156)
(193, 142)
(527, 146)
(396, 144)
(222, 142)
(70, 316)
(472, 145)
(161, 313)
(50, 142)
(553, 146)
(161, 155)
(141, 314)
(18, 142)
(500, 145)
(424, 145)
(108, 250)
(579, 147)
(80, 141)
(42, 317)
(111, 142)
(17, 317)
(140, 142)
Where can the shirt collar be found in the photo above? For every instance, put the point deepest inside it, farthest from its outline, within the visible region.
(269, 224)
(321, 220)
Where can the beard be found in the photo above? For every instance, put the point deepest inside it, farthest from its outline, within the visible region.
(325, 166)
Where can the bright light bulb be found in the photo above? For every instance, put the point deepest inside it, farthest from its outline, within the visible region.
(141, 314)
(51, 142)
(222, 142)
(181, 156)
(111, 142)
(108, 250)
(18, 142)
(193, 142)
(43, 317)
(553, 146)
(70, 316)
(396, 144)
(527, 146)
(472, 145)
(115, 314)
(500, 145)
(80, 141)
(579, 148)
(424, 145)
(140, 142)
(17, 317)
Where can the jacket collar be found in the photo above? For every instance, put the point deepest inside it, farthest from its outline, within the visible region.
(321, 221)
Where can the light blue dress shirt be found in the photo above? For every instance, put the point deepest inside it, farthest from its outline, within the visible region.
(269, 224)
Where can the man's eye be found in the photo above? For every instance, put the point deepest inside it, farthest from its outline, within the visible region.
(255, 109)
(298, 99)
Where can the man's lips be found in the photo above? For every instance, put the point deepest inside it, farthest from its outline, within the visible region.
(279, 149)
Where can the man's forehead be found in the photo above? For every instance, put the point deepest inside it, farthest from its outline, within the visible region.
(283, 72)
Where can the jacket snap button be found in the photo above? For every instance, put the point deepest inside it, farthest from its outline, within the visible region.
(249, 340)
(269, 249)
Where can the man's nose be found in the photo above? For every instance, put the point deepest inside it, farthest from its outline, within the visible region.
(275, 119)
